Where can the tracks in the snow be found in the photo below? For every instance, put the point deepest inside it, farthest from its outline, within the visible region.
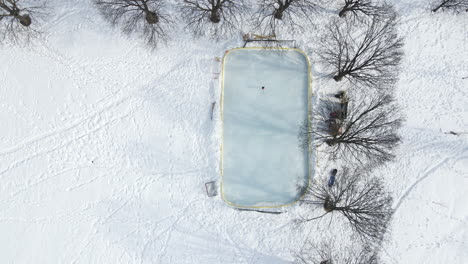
(428, 172)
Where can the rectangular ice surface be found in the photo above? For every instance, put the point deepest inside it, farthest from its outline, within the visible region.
(264, 103)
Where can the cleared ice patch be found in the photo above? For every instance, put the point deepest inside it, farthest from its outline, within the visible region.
(265, 101)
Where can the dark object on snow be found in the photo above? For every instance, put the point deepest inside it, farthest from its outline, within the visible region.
(263, 87)
(456, 133)
(334, 125)
(337, 116)
(211, 188)
(331, 180)
(212, 109)
(334, 115)
(344, 107)
(343, 111)
(340, 94)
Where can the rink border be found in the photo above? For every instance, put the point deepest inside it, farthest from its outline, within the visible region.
(309, 110)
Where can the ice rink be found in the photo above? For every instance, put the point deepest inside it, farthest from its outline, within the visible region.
(265, 101)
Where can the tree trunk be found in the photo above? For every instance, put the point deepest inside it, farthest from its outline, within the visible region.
(151, 17)
(279, 14)
(339, 77)
(435, 9)
(343, 11)
(24, 20)
(439, 6)
(328, 205)
(215, 17)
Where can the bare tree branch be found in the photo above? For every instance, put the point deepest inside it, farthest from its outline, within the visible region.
(143, 17)
(370, 58)
(361, 199)
(368, 135)
(328, 252)
(214, 17)
(275, 14)
(18, 19)
(455, 6)
(357, 8)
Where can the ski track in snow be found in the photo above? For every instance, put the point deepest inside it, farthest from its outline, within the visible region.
(426, 174)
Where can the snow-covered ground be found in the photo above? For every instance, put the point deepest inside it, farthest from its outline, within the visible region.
(264, 103)
(106, 146)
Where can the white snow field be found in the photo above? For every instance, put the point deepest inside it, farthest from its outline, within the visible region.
(264, 102)
(105, 148)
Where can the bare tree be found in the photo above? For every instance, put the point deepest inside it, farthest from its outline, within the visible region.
(17, 18)
(328, 252)
(144, 17)
(356, 8)
(273, 14)
(214, 17)
(368, 134)
(361, 199)
(456, 6)
(369, 58)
